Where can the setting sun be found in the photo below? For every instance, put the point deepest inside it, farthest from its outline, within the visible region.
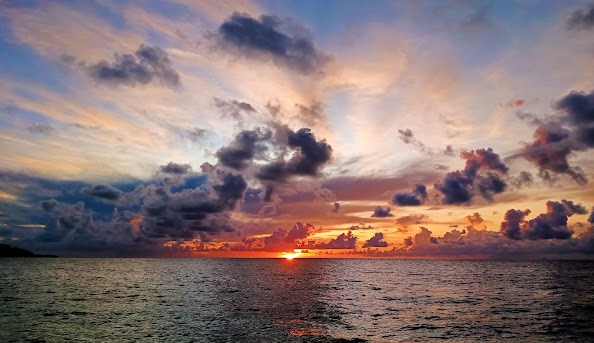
(289, 256)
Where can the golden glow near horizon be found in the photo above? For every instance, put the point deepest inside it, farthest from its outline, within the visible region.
(289, 256)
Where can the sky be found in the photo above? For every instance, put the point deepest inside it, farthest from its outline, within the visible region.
(408, 129)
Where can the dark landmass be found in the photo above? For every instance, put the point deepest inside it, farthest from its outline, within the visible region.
(10, 251)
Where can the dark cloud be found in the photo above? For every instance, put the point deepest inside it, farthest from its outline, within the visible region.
(416, 198)
(549, 225)
(581, 19)
(550, 150)
(154, 214)
(174, 168)
(379, 212)
(482, 175)
(246, 145)
(249, 37)
(343, 241)
(376, 241)
(309, 157)
(42, 129)
(555, 141)
(591, 218)
(335, 208)
(148, 64)
(106, 192)
(233, 108)
(572, 208)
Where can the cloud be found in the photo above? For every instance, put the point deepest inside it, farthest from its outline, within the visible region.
(248, 37)
(549, 225)
(174, 168)
(106, 192)
(424, 237)
(550, 150)
(335, 208)
(311, 115)
(572, 208)
(555, 141)
(343, 241)
(148, 64)
(245, 146)
(152, 215)
(416, 198)
(42, 129)
(309, 157)
(524, 179)
(233, 108)
(283, 240)
(197, 134)
(408, 137)
(482, 175)
(376, 241)
(379, 212)
(412, 219)
(581, 19)
(474, 219)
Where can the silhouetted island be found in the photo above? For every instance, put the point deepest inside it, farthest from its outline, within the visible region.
(10, 251)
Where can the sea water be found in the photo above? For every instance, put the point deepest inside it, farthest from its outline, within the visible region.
(300, 300)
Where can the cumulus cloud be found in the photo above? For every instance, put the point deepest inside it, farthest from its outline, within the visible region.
(581, 19)
(343, 241)
(376, 241)
(269, 38)
(549, 225)
(286, 240)
(424, 237)
(308, 158)
(555, 141)
(572, 208)
(153, 215)
(246, 145)
(379, 212)
(416, 198)
(482, 175)
(148, 64)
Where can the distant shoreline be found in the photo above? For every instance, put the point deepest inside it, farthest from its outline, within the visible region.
(12, 251)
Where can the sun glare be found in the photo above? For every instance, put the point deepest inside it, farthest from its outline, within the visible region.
(291, 255)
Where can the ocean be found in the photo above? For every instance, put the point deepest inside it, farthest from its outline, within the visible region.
(300, 300)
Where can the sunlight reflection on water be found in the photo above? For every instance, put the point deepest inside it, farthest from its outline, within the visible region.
(303, 300)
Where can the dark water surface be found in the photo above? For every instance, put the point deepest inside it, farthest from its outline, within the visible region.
(303, 300)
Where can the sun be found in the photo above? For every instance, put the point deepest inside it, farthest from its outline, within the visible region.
(291, 255)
